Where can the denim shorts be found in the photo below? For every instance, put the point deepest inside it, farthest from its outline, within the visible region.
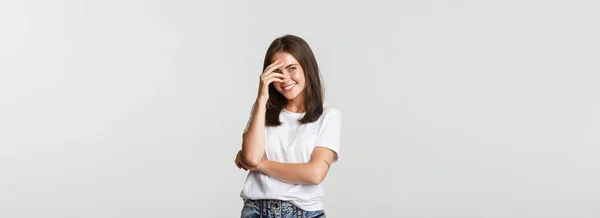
(276, 208)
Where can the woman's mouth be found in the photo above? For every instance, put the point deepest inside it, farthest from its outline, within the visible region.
(288, 88)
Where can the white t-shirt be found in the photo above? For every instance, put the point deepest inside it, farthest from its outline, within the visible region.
(294, 143)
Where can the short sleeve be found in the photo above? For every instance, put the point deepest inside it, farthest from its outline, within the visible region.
(330, 131)
(249, 120)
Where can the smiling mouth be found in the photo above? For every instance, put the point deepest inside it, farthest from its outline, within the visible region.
(289, 87)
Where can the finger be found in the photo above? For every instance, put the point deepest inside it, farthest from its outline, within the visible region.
(243, 164)
(269, 81)
(270, 68)
(240, 162)
(238, 165)
(273, 75)
(273, 64)
(268, 73)
(243, 167)
(274, 79)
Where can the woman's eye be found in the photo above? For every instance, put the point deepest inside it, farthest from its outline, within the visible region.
(292, 68)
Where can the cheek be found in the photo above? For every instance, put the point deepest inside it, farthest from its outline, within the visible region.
(277, 85)
(297, 76)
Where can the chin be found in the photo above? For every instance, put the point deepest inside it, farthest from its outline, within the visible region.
(290, 96)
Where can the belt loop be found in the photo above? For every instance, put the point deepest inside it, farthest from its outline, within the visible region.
(263, 213)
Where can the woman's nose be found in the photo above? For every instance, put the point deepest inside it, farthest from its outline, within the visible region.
(286, 76)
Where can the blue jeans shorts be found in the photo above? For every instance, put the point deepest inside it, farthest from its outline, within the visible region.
(276, 208)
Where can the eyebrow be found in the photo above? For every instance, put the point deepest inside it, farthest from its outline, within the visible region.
(288, 66)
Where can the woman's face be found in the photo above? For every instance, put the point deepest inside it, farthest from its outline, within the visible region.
(293, 84)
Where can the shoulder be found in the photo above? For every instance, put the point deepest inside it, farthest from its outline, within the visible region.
(331, 113)
(330, 121)
(328, 109)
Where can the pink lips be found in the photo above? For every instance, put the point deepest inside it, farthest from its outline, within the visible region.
(287, 88)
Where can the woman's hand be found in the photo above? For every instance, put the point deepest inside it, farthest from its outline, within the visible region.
(266, 78)
(241, 164)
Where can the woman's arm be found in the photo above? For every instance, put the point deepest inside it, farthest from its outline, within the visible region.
(311, 173)
(253, 141)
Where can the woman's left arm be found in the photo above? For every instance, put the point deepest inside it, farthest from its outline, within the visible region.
(322, 156)
(311, 173)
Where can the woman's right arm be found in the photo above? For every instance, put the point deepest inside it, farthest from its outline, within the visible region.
(253, 143)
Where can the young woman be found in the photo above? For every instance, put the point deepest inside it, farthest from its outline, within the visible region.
(291, 139)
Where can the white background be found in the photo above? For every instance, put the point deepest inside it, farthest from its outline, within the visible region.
(451, 108)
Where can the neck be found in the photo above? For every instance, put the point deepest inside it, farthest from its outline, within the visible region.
(296, 105)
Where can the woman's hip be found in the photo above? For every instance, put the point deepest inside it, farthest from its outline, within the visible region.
(276, 208)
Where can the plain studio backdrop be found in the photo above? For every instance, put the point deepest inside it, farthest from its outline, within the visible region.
(478, 109)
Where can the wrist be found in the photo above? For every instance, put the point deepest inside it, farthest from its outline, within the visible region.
(262, 101)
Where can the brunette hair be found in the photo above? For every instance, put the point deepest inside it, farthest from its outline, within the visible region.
(313, 92)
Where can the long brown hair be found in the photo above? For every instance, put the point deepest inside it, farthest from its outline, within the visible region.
(313, 93)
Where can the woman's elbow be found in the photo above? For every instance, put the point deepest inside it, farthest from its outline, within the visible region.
(317, 176)
(314, 181)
